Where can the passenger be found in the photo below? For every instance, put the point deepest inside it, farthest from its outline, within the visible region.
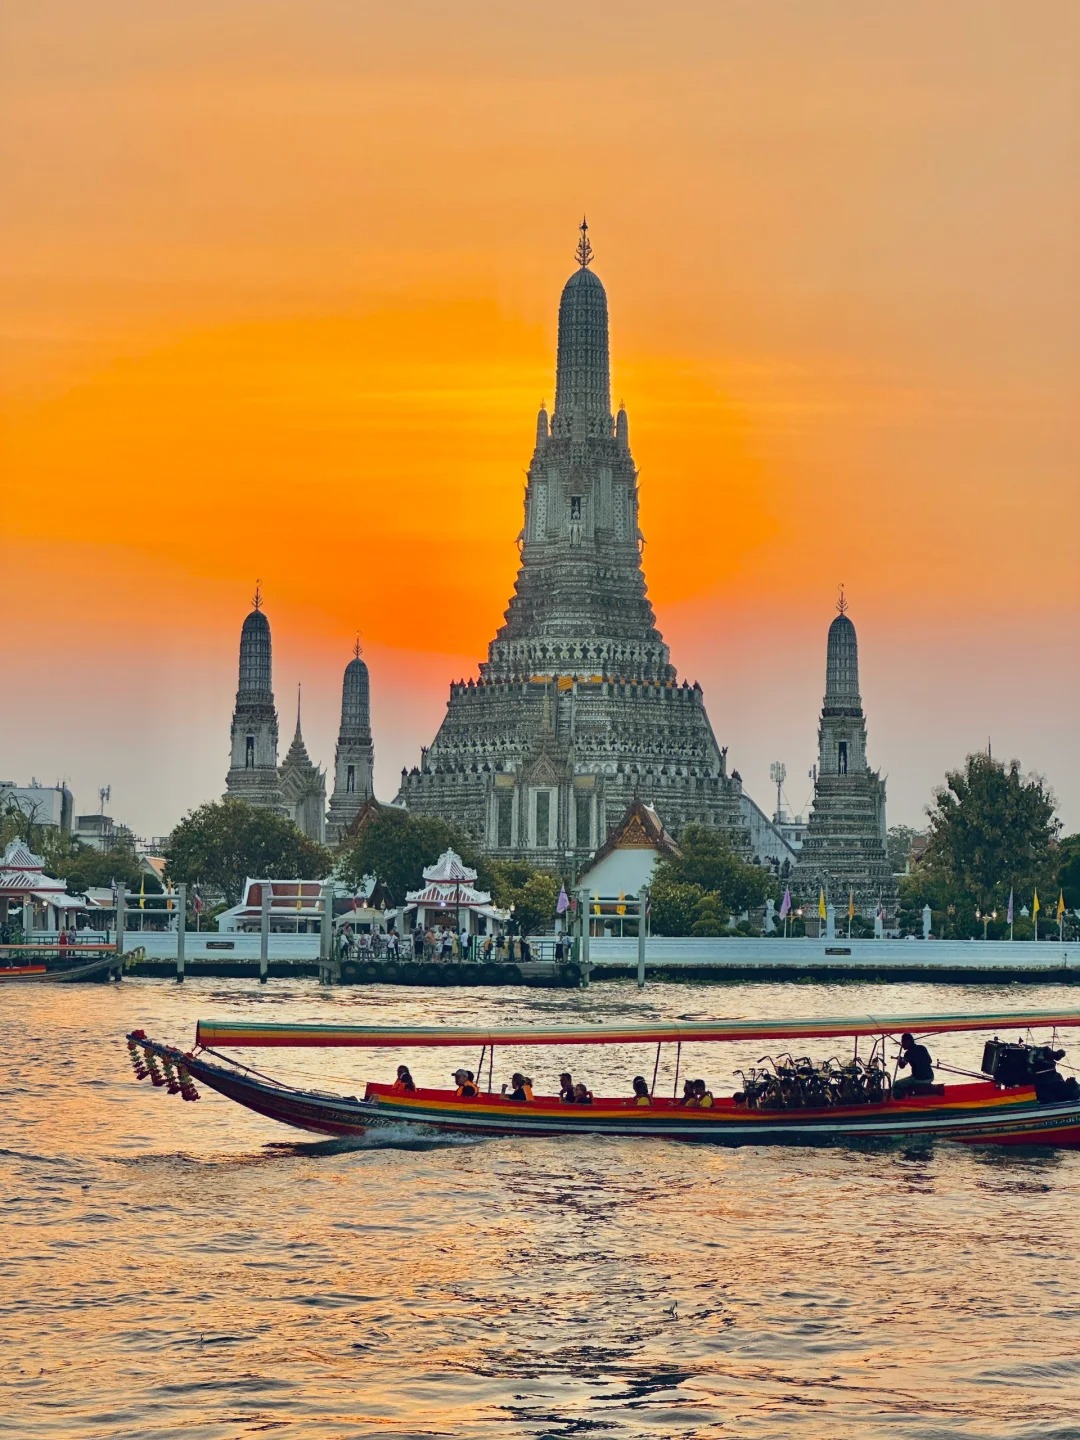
(566, 1088)
(581, 1095)
(641, 1091)
(466, 1088)
(528, 1086)
(404, 1081)
(702, 1095)
(922, 1069)
(520, 1087)
(689, 1096)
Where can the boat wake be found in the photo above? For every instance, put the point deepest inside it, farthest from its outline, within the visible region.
(380, 1137)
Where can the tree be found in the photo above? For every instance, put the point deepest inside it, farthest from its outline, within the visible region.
(224, 842)
(1068, 874)
(534, 903)
(711, 918)
(674, 905)
(396, 846)
(708, 861)
(84, 868)
(992, 830)
(898, 846)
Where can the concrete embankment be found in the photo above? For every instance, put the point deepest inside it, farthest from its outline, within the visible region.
(697, 960)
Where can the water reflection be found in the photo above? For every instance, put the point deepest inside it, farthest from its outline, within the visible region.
(220, 1278)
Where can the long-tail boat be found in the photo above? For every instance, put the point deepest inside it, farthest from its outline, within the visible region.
(1019, 1098)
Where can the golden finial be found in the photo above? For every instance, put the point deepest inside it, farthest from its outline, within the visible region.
(257, 598)
(841, 604)
(358, 649)
(584, 249)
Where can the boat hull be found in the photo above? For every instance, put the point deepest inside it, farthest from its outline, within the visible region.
(978, 1114)
(71, 975)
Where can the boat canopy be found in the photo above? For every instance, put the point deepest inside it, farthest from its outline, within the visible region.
(213, 1034)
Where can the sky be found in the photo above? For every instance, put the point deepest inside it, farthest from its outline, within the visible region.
(279, 284)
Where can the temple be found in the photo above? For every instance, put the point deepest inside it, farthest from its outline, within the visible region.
(577, 710)
(253, 773)
(303, 786)
(843, 853)
(354, 758)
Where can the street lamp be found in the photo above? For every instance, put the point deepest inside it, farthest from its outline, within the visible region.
(985, 918)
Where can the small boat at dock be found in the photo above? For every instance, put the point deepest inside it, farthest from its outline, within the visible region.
(1019, 1098)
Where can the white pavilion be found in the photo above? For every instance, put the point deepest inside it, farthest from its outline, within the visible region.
(449, 898)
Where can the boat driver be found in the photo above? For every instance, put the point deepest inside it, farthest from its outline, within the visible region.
(922, 1069)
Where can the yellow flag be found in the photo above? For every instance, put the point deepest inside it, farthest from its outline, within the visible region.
(142, 893)
(821, 905)
(1035, 906)
(1061, 904)
(851, 905)
(596, 903)
(169, 901)
(299, 897)
(620, 908)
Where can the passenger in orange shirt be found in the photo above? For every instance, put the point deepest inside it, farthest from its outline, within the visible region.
(404, 1081)
(466, 1088)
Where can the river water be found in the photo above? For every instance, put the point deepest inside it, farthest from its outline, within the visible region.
(179, 1270)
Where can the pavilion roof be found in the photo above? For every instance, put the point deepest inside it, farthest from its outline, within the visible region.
(449, 896)
(449, 867)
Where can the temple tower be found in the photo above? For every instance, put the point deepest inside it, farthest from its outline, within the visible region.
(303, 786)
(577, 709)
(253, 772)
(844, 850)
(354, 758)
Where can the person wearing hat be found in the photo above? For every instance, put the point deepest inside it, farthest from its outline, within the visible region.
(466, 1088)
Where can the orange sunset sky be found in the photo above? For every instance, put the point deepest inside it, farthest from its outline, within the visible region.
(279, 287)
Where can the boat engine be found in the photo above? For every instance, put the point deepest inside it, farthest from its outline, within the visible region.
(1010, 1065)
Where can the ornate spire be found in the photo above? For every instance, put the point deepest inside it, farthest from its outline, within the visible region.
(358, 649)
(842, 661)
(583, 370)
(584, 252)
(298, 709)
(256, 599)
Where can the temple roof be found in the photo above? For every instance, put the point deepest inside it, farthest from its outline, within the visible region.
(298, 762)
(449, 867)
(639, 829)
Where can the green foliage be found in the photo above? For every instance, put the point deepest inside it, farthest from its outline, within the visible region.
(1068, 872)
(396, 846)
(708, 861)
(507, 878)
(84, 868)
(991, 830)
(898, 846)
(674, 905)
(710, 918)
(534, 903)
(224, 842)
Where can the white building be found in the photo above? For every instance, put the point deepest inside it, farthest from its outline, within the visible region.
(50, 805)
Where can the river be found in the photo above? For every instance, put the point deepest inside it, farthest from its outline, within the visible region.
(191, 1270)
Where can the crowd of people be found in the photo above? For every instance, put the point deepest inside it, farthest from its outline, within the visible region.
(696, 1094)
(441, 943)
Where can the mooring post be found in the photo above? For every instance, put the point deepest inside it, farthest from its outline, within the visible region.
(583, 905)
(181, 931)
(121, 921)
(264, 933)
(326, 927)
(642, 916)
